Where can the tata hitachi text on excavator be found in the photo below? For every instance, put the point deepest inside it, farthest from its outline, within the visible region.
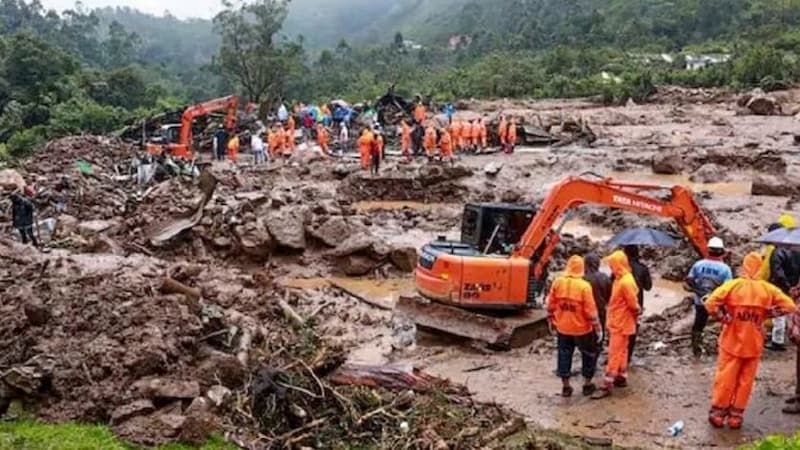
(487, 285)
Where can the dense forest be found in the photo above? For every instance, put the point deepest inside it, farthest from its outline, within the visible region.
(91, 71)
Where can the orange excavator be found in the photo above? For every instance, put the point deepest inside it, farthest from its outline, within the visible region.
(486, 286)
(176, 139)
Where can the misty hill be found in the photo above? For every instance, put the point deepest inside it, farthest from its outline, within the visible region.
(324, 23)
(167, 39)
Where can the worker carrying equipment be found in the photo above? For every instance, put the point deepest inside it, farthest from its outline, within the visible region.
(742, 305)
(502, 260)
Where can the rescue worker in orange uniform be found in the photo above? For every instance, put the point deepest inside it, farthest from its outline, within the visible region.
(502, 131)
(272, 142)
(323, 139)
(429, 141)
(290, 129)
(376, 153)
(476, 135)
(622, 311)
(233, 148)
(572, 313)
(365, 148)
(446, 146)
(511, 136)
(280, 146)
(482, 132)
(455, 133)
(419, 113)
(742, 305)
(466, 135)
(405, 140)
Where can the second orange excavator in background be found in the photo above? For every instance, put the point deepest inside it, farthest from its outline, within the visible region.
(485, 286)
(176, 139)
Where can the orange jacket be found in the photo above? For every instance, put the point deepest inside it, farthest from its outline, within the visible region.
(272, 140)
(743, 304)
(419, 113)
(512, 133)
(430, 138)
(455, 130)
(570, 304)
(405, 132)
(446, 143)
(233, 144)
(502, 129)
(623, 306)
(365, 143)
(481, 129)
(290, 123)
(476, 130)
(322, 136)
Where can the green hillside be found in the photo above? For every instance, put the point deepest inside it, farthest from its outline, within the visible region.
(324, 23)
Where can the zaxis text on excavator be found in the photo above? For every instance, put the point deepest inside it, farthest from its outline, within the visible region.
(500, 266)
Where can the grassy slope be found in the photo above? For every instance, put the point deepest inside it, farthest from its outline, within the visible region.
(31, 435)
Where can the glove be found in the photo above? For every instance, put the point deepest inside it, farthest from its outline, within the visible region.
(598, 335)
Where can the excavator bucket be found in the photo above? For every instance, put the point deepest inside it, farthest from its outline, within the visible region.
(502, 332)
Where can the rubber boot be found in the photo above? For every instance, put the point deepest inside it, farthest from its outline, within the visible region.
(717, 417)
(736, 419)
(697, 343)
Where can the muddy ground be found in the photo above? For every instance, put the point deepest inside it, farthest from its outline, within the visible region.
(338, 246)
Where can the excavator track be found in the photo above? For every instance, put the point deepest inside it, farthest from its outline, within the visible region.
(501, 332)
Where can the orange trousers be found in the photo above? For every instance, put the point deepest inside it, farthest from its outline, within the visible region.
(233, 155)
(431, 151)
(617, 366)
(365, 155)
(733, 382)
(405, 146)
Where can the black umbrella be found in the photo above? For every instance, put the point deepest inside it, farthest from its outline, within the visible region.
(781, 236)
(643, 236)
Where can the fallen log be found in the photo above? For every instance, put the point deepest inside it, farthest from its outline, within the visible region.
(172, 286)
(511, 427)
(393, 377)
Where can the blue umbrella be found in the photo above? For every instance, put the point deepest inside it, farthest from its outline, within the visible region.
(643, 236)
(781, 236)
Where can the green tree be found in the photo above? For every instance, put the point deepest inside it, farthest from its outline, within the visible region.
(120, 47)
(250, 55)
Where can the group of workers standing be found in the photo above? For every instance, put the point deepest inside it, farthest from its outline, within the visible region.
(418, 136)
(585, 305)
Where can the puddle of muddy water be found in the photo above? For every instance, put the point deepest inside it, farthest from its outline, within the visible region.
(580, 228)
(727, 188)
(383, 292)
(665, 294)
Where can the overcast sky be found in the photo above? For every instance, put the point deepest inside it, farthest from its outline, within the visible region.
(179, 8)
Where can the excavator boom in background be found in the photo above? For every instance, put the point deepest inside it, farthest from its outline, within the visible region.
(177, 139)
(500, 266)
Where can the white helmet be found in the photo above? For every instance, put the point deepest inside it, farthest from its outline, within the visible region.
(716, 243)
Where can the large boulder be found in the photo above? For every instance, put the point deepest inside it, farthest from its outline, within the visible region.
(404, 259)
(11, 180)
(709, 173)
(254, 239)
(774, 185)
(332, 231)
(357, 265)
(287, 226)
(671, 164)
(762, 104)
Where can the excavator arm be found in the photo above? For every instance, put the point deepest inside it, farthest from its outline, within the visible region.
(540, 241)
(229, 104)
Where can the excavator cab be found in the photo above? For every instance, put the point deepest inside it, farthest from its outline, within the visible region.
(167, 134)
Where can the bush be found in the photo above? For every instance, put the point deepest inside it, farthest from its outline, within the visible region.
(759, 63)
(81, 114)
(776, 443)
(24, 142)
